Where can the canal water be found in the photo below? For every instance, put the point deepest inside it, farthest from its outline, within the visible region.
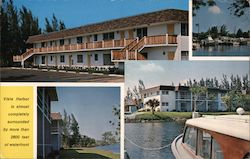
(151, 136)
(115, 148)
(221, 50)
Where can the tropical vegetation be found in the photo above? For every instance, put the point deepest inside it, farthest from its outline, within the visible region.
(17, 24)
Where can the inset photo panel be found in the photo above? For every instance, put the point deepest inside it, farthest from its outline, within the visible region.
(78, 122)
(221, 30)
(178, 109)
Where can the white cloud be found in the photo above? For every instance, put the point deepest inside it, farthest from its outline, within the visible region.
(215, 10)
(151, 67)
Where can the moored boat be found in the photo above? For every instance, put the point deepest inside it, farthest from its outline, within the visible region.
(214, 137)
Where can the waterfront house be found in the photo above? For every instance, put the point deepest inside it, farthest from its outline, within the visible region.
(159, 35)
(56, 131)
(179, 98)
(131, 106)
(45, 95)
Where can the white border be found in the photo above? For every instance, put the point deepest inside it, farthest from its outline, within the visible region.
(209, 58)
(69, 84)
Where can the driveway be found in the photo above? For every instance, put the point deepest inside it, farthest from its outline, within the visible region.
(35, 75)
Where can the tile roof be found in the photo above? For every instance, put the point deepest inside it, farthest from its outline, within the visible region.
(116, 24)
(56, 116)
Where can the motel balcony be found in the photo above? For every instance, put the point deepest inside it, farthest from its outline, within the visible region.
(55, 130)
(122, 49)
(132, 50)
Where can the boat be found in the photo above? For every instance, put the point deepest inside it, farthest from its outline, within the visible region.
(214, 137)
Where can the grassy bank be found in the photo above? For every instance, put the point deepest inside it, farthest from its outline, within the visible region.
(87, 153)
(174, 116)
(168, 116)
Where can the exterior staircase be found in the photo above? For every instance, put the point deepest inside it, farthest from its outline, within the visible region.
(133, 49)
(24, 56)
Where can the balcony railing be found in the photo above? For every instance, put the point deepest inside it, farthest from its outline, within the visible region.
(85, 46)
(19, 58)
(55, 129)
(131, 51)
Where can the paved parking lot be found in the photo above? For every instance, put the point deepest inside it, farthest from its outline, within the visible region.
(28, 75)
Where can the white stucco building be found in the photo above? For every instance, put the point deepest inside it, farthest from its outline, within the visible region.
(160, 35)
(179, 98)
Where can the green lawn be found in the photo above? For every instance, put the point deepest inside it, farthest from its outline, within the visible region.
(168, 116)
(87, 153)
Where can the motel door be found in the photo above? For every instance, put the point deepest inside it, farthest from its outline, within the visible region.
(55, 57)
(170, 28)
(141, 32)
(70, 60)
(89, 59)
(88, 39)
(130, 34)
(107, 59)
(46, 60)
(122, 34)
(171, 55)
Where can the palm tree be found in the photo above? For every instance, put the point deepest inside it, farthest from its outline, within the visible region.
(153, 103)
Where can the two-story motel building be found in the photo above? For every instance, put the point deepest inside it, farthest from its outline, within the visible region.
(180, 98)
(160, 35)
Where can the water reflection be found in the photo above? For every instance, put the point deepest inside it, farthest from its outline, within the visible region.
(151, 135)
(221, 50)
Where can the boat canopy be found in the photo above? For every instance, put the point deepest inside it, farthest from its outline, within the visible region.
(233, 125)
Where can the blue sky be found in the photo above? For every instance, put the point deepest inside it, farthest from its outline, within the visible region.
(80, 12)
(91, 106)
(219, 15)
(154, 73)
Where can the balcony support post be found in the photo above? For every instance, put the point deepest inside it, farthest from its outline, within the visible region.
(113, 43)
(127, 58)
(166, 38)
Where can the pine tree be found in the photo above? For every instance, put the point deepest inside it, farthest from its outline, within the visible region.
(76, 136)
(48, 27)
(54, 23)
(61, 25)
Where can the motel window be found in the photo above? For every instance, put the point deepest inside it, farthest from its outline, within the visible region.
(62, 58)
(51, 58)
(79, 40)
(43, 59)
(95, 37)
(61, 42)
(165, 92)
(164, 103)
(184, 29)
(69, 40)
(50, 43)
(43, 44)
(184, 55)
(108, 36)
(96, 57)
(79, 59)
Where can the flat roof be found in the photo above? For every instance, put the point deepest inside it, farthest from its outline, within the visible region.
(232, 125)
(115, 24)
(177, 88)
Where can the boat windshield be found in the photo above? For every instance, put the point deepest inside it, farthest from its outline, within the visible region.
(202, 143)
(190, 137)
